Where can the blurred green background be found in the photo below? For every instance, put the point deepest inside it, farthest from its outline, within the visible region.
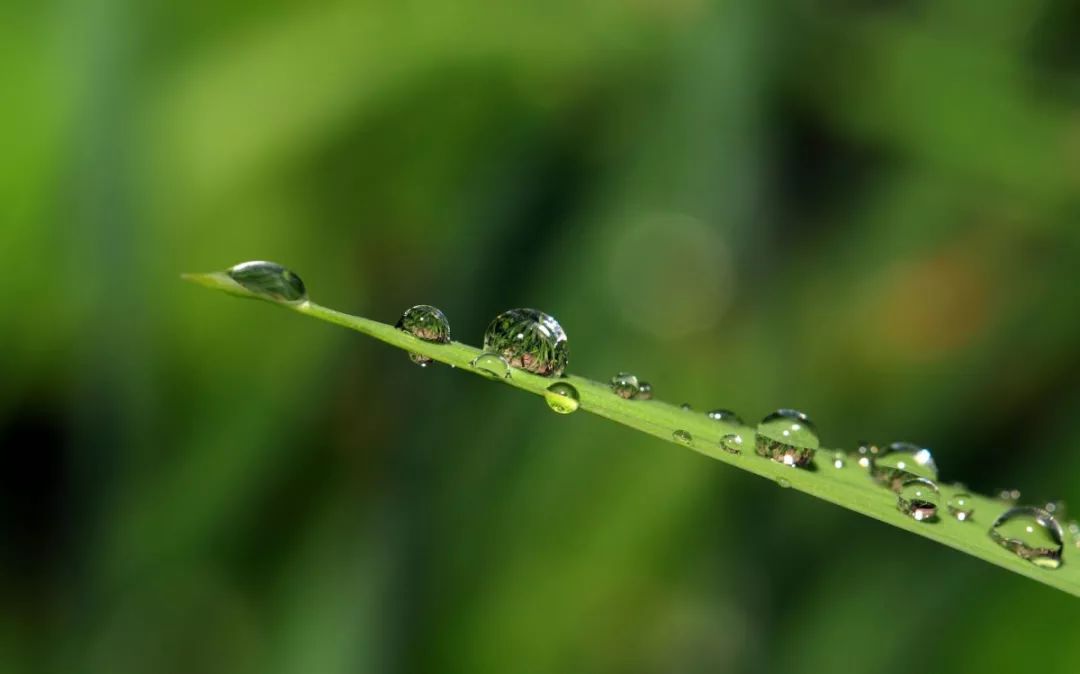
(864, 209)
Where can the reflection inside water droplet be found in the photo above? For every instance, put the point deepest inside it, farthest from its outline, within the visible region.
(492, 365)
(683, 437)
(732, 443)
(269, 280)
(901, 461)
(788, 437)
(427, 323)
(530, 340)
(919, 498)
(961, 507)
(625, 385)
(1030, 533)
(562, 398)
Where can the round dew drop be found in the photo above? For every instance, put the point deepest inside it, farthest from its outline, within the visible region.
(961, 507)
(625, 385)
(529, 340)
(788, 437)
(562, 398)
(269, 280)
(901, 461)
(644, 391)
(918, 498)
(726, 416)
(682, 437)
(732, 443)
(1032, 534)
(427, 323)
(492, 365)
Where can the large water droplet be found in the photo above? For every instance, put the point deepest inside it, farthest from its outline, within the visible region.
(1032, 534)
(732, 443)
(683, 437)
(530, 340)
(961, 507)
(269, 280)
(788, 437)
(562, 398)
(427, 323)
(919, 498)
(625, 385)
(726, 416)
(644, 391)
(901, 461)
(492, 365)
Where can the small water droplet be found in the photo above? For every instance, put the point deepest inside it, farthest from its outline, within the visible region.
(269, 280)
(562, 398)
(625, 385)
(683, 437)
(644, 391)
(685, 407)
(866, 452)
(529, 340)
(900, 461)
(788, 437)
(732, 443)
(1073, 528)
(783, 482)
(726, 416)
(427, 323)
(919, 498)
(961, 507)
(839, 460)
(492, 365)
(1008, 495)
(1055, 508)
(1030, 533)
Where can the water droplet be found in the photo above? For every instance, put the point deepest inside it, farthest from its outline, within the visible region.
(783, 482)
(269, 280)
(492, 365)
(961, 507)
(732, 443)
(1030, 533)
(839, 460)
(682, 437)
(625, 385)
(866, 452)
(919, 498)
(685, 407)
(726, 416)
(901, 461)
(788, 437)
(530, 340)
(427, 323)
(644, 391)
(1008, 495)
(562, 398)
(1073, 528)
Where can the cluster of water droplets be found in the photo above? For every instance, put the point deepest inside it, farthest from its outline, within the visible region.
(532, 341)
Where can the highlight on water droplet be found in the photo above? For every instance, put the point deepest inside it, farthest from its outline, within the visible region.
(866, 453)
(1030, 533)
(787, 436)
(427, 323)
(961, 507)
(269, 280)
(900, 461)
(732, 443)
(683, 437)
(492, 365)
(625, 385)
(644, 391)
(918, 498)
(839, 460)
(529, 340)
(562, 398)
(725, 416)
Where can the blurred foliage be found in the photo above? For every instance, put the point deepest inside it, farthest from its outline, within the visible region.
(866, 209)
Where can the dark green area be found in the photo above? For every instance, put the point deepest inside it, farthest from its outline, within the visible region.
(863, 210)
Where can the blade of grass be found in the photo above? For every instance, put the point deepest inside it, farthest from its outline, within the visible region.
(849, 487)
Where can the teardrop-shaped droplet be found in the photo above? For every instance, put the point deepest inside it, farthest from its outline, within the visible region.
(732, 443)
(901, 461)
(726, 416)
(1030, 533)
(788, 437)
(562, 398)
(918, 498)
(427, 323)
(866, 452)
(492, 365)
(529, 340)
(961, 507)
(644, 391)
(683, 437)
(686, 407)
(269, 280)
(625, 385)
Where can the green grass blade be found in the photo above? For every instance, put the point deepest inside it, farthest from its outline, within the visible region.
(849, 487)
